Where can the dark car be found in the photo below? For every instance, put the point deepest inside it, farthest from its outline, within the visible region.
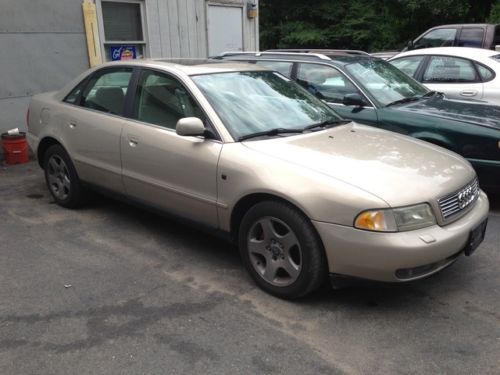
(475, 35)
(372, 91)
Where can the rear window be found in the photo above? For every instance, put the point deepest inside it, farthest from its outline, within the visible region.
(486, 73)
(471, 37)
(495, 57)
(284, 68)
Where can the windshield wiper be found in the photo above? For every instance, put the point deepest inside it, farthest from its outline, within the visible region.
(431, 94)
(404, 100)
(269, 133)
(327, 123)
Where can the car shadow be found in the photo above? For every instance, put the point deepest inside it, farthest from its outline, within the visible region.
(215, 254)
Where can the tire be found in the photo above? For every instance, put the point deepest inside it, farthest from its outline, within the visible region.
(281, 250)
(61, 177)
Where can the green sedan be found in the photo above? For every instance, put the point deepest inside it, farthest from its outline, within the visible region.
(372, 91)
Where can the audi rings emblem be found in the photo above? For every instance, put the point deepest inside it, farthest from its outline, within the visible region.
(465, 197)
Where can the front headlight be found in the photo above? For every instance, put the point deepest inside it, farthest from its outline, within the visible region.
(396, 219)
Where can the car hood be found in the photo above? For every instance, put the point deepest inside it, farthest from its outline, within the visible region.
(458, 110)
(397, 169)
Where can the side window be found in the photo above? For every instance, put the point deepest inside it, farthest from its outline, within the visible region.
(437, 38)
(106, 90)
(447, 69)
(74, 95)
(486, 73)
(471, 37)
(408, 65)
(284, 68)
(162, 100)
(325, 82)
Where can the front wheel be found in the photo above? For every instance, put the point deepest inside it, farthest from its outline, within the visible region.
(281, 250)
(61, 177)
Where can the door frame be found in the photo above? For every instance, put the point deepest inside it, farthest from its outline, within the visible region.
(227, 5)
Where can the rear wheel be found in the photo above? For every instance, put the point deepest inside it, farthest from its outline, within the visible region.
(61, 177)
(281, 250)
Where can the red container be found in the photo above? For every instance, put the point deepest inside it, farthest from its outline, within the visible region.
(15, 148)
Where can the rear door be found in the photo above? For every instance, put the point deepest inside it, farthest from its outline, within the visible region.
(92, 124)
(471, 37)
(458, 78)
(160, 168)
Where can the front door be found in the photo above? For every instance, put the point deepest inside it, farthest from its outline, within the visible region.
(171, 172)
(331, 85)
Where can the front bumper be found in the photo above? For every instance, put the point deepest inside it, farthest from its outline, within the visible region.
(379, 256)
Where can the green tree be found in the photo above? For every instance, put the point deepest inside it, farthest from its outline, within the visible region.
(362, 24)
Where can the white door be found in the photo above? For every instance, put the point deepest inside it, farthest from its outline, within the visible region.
(225, 29)
(454, 76)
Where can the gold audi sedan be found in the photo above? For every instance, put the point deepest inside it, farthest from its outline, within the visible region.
(246, 152)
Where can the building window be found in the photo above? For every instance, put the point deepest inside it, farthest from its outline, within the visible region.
(122, 29)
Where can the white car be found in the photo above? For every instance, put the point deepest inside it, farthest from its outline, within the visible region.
(458, 72)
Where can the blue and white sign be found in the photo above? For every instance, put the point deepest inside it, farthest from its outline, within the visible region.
(123, 53)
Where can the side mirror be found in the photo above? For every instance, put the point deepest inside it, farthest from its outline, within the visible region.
(353, 100)
(410, 45)
(190, 127)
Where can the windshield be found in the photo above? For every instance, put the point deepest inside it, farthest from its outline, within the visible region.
(252, 102)
(384, 82)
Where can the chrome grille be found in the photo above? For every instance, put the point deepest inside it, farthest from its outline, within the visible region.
(451, 205)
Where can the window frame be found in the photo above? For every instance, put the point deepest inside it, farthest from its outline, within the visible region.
(131, 96)
(457, 32)
(477, 64)
(421, 65)
(428, 61)
(295, 77)
(289, 76)
(85, 81)
(104, 44)
(459, 38)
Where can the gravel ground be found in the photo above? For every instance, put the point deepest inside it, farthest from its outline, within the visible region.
(112, 289)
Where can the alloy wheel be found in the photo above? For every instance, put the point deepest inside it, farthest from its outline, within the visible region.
(58, 177)
(274, 251)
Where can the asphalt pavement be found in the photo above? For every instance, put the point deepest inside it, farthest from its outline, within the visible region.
(113, 289)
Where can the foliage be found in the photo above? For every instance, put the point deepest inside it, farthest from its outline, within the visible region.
(495, 13)
(362, 24)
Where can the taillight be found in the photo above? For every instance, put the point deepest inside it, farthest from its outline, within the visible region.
(28, 118)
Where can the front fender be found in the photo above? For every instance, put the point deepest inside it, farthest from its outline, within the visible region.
(434, 138)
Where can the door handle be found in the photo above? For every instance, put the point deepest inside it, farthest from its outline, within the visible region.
(72, 124)
(132, 140)
(469, 93)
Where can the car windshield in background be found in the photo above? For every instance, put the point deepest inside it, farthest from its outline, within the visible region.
(257, 102)
(384, 82)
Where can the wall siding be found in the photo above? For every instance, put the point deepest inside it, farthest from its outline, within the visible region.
(182, 26)
(44, 47)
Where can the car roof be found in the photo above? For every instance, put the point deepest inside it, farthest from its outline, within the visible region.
(463, 25)
(478, 54)
(189, 66)
(327, 52)
(335, 57)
